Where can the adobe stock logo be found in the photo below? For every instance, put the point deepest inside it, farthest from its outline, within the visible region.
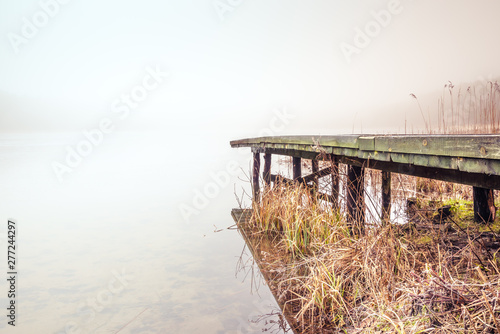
(225, 7)
(371, 30)
(122, 106)
(86, 311)
(30, 27)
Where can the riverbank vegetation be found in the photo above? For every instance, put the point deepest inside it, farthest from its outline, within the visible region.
(437, 271)
(423, 276)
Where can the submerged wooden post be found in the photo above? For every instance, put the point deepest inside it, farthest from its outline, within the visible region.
(267, 169)
(255, 176)
(484, 205)
(297, 168)
(356, 199)
(315, 168)
(335, 180)
(386, 197)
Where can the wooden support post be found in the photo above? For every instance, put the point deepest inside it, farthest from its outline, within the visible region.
(315, 168)
(267, 169)
(386, 197)
(297, 168)
(484, 205)
(335, 181)
(255, 176)
(356, 199)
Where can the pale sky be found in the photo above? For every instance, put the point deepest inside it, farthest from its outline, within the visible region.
(228, 75)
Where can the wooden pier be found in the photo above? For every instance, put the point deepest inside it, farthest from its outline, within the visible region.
(472, 160)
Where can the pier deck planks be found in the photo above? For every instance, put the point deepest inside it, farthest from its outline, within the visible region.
(468, 159)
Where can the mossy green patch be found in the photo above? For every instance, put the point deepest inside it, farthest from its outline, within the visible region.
(424, 240)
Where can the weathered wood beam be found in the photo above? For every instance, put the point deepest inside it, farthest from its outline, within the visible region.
(338, 141)
(287, 152)
(484, 205)
(280, 179)
(267, 168)
(471, 146)
(386, 197)
(283, 180)
(355, 199)
(448, 175)
(297, 167)
(465, 146)
(255, 176)
(316, 175)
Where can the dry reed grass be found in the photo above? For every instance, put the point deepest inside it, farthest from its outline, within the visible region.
(391, 279)
(473, 111)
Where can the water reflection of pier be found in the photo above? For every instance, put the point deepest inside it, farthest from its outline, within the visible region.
(258, 247)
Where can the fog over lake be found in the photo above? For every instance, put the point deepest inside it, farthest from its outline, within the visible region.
(115, 122)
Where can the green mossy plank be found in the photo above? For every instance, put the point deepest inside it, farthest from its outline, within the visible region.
(467, 146)
(466, 153)
(366, 143)
(350, 141)
(470, 146)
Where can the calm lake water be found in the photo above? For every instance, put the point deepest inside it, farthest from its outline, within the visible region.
(107, 251)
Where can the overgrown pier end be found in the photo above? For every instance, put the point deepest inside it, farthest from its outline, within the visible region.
(467, 159)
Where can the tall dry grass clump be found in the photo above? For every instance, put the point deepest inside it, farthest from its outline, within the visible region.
(477, 110)
(392, 278)
(307, 224)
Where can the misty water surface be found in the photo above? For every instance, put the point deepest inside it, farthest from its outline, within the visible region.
(106, 250)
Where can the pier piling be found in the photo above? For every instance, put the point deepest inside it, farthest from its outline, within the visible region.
(335, 180)
(484, 205)
(267, 169)
(355, 199)
(386, 197)
(297, 167)
(315, 168)
(255, 176)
